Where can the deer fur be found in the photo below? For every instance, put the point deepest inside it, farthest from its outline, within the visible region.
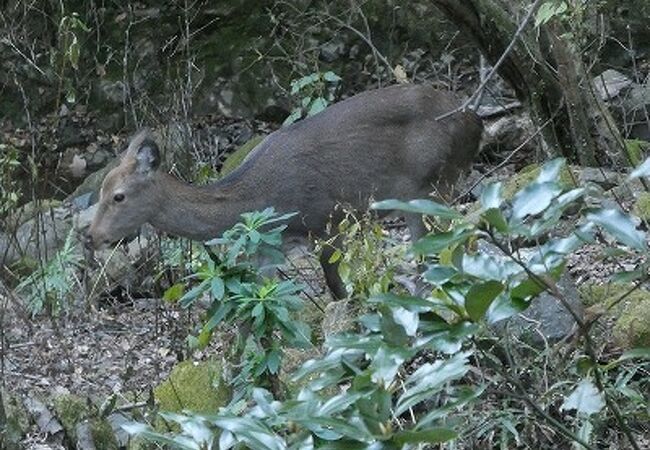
(381, 144)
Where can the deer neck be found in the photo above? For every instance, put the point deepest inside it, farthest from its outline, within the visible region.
(199, 212)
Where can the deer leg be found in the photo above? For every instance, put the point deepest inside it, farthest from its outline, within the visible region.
(417, 229)
(331, 270)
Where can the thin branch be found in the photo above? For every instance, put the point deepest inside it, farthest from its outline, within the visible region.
(496, 66)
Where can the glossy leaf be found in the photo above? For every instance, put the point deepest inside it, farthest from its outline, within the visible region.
(642, 171)
(534, 198)
(480, 297)
(620, 226)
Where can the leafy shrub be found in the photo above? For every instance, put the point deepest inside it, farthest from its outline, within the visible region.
(53, 285)
(367, 389)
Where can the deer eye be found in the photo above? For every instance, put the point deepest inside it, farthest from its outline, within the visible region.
(118, 197)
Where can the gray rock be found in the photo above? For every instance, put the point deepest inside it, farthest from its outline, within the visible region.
(339, 317)
(611, 83)
(507, 133)
(547, 319)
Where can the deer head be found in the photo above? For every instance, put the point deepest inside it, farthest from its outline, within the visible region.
(128, 196)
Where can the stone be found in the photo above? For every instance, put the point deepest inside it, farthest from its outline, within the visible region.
(611, 83)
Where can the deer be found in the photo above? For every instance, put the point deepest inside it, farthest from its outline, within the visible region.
(397, 142)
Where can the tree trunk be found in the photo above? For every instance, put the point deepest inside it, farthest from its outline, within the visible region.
(546, 72)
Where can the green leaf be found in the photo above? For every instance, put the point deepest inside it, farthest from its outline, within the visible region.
(430, 436)
(585, 399)
(174, 292)
(544, 13)
(295, 115)
(494, 217)
(490, 267)
(433, 244)
(331, 77)
(491, 196)
(504, 307)
(550, 171)
(534, 198)
(193, 294)
(527, 289)
(642, 171)
(427, 207)
(317, 106)
(640, 353)
(439, 275)
(620, 226)
(480, 297)
(218, 288)
(385, 364)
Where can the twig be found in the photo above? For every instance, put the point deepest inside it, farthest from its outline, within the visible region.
(496, 66)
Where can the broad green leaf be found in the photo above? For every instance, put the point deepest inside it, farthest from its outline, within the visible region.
(174, 292)
(642, 171)
(439, 275)
(534, 198)
(490, 267)
(585, 399)
(503, 307)
(331, 77)
(491, 196)
(494, 217)
(429, 436)
(317, 106)
(385, 364)
(407, 319)
(427, 207)
(193, 294)
(550, 171)
(480, 297)
(527, 289)
(433, 244)
(218, 288)
(620, 226)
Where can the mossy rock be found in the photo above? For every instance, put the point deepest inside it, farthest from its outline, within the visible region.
(529, 173)
(642, 205)
(17, 422)
(71, 410)
(235, 159)
(103, 435)
(631, 316)
(197, 387)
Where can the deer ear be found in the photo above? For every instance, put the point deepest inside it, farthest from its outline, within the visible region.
(147, 157)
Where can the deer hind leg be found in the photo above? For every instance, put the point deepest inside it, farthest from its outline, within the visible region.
(331, 271)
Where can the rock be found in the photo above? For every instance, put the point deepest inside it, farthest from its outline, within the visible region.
(339, 316)
(37, 238)
(547, 319)
(632, 329)
(636, 106)
(194, 386)
(605, 178)
(610, 84)
(507, 133)
(642, 205)
(628, 320)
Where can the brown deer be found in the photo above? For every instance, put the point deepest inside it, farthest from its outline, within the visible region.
(385, 144)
